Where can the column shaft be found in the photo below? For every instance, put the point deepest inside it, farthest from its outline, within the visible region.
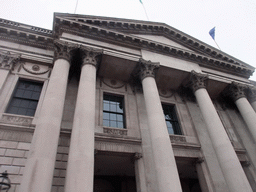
(166, 169)
(231, 167)
(254, 105)
(41, 160)
(80, 168)
(248, 114)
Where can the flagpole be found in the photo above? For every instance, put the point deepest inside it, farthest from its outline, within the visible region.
(144, 9)
(76, 7)
(217, 45)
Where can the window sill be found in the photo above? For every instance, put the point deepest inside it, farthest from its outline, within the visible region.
(178, 138)
(115, 131)
(17, 119)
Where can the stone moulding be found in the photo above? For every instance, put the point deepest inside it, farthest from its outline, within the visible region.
(117, 147)
(214, 60)
(114, 131)
(17, 120)
(177, 138)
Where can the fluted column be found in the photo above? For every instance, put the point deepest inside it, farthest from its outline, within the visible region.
(237, 92)
(80, 168)
(166, 169)
(41, 160)
(252, 97)
(230, 165)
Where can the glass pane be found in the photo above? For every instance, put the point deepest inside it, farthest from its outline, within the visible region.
(32, 105)
(120, 108)
(29, 86)
(30, 112)
(15, 102)
(105, 115)
(120, 117)
(13, 110)
(106, 123)
(120, 124)
(19, 93)
(106, 106)
(38, 88)
(24, 104)
(35, 95)
(170, 131)
(113, 108)
(113, 124)
(22, 111)
(112, 117)
(27, 94)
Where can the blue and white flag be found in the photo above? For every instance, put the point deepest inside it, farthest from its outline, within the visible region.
(212, 33)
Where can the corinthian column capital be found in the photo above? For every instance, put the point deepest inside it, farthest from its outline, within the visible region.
(252, 94)
(148, 68)
(91, 56)
(62, 50)
(236, 91)
(8, 60)
(197, 80)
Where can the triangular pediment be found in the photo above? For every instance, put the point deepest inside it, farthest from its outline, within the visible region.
(153, 36)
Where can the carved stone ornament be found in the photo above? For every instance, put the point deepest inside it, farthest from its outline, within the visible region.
(175, 138)
(252, 94)
(148, 68)
(62, 50)
(113, 131)
(197, 80)
(91, 56)
(8, 60)
(18, 120)
(236, 91)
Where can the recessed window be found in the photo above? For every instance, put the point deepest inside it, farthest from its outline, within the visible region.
(113, 111)
(25, 98)
(171, 119)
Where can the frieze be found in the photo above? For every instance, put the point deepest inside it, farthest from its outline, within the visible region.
(8, 60)
(34, 69)
(18, 120)
(176, 138)
(114, 131)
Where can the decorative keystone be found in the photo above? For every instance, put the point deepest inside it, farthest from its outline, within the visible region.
(197, 80)
(147, 68)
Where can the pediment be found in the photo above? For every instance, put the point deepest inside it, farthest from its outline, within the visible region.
(163, 40)
(153, 36)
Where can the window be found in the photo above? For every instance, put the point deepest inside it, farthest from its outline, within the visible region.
(171, 119)
(113, 111)
(25, 98)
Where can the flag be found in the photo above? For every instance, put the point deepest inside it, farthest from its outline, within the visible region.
(141, 1)
(212, 33)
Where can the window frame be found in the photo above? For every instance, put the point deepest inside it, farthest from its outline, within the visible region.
(14, 90)
(176, 121)
(111, 112)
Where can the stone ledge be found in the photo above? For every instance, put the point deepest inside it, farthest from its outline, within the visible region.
(114, 131)
(17, 120)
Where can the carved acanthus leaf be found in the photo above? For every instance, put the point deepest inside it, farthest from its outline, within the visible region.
(252, 94)
(8, 60)
(148, 68)
(236, 91)
(62, 50)
(90, 55)
(197, 80)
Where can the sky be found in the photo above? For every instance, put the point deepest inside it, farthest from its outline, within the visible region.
(235, 20)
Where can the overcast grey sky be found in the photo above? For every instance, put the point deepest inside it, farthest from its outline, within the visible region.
(235, 20)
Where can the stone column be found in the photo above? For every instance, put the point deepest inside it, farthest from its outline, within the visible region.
(166, 170)
(228, 160)
(237, 92)
(139, 173)
(252, 97)
(80, 168)
(40, 164)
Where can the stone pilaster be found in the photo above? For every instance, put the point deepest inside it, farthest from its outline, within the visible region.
(167, 177)
(237, 92)
(228, 160)
(40, 164)
(80, 168)
(7, 63)
(252, 97)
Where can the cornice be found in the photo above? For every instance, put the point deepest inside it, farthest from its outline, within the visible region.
(26, 34)
(96, 32)
(155, 28)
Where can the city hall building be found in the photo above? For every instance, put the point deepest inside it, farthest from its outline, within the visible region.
(102, 104)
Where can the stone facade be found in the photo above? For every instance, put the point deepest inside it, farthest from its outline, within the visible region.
(107, 104)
